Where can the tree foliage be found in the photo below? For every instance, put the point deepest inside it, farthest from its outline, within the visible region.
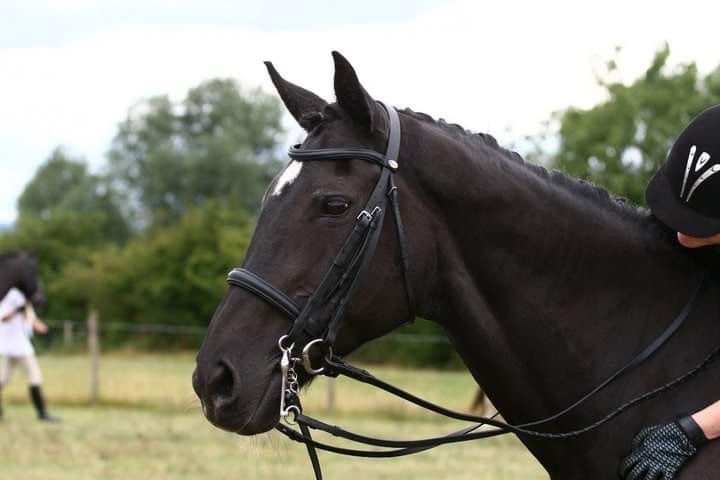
(63, 184)
(174, 274)
(193, 170)
(219, 141)
(621, 142)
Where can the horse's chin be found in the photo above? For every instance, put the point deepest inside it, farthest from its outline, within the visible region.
(246, 417)
(263, 420)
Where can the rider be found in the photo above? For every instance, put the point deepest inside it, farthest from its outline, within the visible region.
(683, 195)
(17, 322)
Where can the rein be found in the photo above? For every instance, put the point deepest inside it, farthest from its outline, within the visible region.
(316, 324)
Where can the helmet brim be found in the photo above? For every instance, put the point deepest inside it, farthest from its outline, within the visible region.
(675, 213)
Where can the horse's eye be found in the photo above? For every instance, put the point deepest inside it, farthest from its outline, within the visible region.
(335, 206)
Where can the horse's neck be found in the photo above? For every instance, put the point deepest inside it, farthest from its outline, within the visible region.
(543, 291)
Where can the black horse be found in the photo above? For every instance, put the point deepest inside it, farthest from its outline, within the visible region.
(545, 284)
(19, 269)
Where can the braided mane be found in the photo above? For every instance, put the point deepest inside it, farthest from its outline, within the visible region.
(586, 189)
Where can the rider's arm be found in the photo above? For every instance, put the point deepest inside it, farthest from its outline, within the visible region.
(35, 323)
(39, 326)
(709, 420)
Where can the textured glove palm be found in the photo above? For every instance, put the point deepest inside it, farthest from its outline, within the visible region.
(658, 453)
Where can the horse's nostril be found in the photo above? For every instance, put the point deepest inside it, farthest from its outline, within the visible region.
(221, 384)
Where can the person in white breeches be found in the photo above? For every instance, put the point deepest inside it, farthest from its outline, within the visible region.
(18, 321)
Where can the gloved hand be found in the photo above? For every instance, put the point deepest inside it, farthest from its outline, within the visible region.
(659, 452)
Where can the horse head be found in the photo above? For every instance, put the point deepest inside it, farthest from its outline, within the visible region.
(308, 212)
(20, 270)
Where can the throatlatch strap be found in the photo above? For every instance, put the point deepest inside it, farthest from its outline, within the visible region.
(404, 259)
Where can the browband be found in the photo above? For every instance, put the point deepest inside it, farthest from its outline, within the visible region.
(388, 160)
(371, 156)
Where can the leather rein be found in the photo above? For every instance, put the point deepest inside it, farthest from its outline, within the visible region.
(316, 324)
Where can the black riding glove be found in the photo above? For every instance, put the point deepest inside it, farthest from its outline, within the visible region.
(659, 452)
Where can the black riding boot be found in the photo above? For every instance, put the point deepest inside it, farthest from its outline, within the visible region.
(39, 402)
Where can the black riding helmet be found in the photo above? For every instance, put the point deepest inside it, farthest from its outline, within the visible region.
(685, 192)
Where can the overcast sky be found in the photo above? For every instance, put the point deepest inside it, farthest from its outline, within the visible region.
(69, 70)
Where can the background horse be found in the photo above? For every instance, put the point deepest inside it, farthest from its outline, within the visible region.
(544, 284)
(19, 269)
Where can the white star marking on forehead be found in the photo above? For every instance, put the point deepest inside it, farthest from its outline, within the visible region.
(287, 177)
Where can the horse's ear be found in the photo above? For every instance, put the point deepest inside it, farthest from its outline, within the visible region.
(302, 104)
(353, 98)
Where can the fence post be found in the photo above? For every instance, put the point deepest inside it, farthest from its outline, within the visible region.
(330, 395)
(67, 333)
(94, 352)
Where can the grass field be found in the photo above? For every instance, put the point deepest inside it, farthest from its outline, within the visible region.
(148, 426)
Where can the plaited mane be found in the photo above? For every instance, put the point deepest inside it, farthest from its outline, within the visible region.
(597, 195)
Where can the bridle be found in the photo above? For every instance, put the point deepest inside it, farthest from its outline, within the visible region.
(310, 324)
(316, 324)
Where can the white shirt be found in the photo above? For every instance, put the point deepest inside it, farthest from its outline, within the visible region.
(15, 333)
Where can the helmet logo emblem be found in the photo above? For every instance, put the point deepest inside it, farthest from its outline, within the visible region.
(702, 161)
(704, 157)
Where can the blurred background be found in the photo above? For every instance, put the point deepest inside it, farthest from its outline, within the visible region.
(137, 138)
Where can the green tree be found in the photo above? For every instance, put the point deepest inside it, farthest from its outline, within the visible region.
(621, 142)
(174, 274)
(63, 184)
(65, 214)
(219, 141)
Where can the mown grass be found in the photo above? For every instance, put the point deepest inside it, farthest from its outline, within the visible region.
(148, 425)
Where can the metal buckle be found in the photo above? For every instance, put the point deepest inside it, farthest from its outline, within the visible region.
(369, 215)
(364, 214)
(306, 358)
